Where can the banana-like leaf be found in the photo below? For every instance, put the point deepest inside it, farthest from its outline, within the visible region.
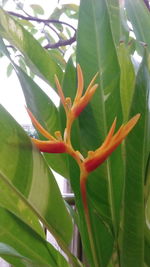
(127, 79)
(137, 152)
(139, 16)
(46, 113)
(147, 245)
(38, 59)
(22, 247)
(118, 23)
(27, 184)
(43, 109)
(96, 52)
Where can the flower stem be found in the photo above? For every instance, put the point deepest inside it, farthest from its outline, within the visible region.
(83, 180)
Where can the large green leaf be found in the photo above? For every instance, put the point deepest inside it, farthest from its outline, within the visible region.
(46, 113)
(43, 109)
(104, 187)
(38, 59)
(127, 78)
(28, 184)
(118, 23)
(147, 246)
(139, 16)
(21, 246)
(137, 151)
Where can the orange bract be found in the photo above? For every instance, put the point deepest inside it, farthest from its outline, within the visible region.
(59, 144)
(53, 145)
(111, 142)
(80, 102)
(50, 146)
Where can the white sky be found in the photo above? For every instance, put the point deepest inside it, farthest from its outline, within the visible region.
(11, 96)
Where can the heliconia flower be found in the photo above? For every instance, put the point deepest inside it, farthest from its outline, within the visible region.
(80, 102)
(53, 145)
(50, 146)
(112, 141)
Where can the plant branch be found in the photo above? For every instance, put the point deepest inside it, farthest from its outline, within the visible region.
(45, 21)
(147, 4)
(61, 43)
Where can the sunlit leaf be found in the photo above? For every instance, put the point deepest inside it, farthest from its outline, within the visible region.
(139, 16)
(21, 246)
(36, 57)
(28, 187)
(105, 185)
(46, 113)
(37, 9)
(127, 79)
(9, 70)
(137, 152)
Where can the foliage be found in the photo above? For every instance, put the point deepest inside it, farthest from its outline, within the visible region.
(112, 200)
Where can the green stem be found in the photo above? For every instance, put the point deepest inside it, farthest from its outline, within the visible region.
(111, 200)
(113, 214)
(83, 180)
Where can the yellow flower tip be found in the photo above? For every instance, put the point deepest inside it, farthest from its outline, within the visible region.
(110, 134)
(39, 127)
(80, 83)
(91, 83)
(125, 129)
(50, 146)
(68, 103)
(131, 123)
(111, 142)
(58, 135)
(60, 91)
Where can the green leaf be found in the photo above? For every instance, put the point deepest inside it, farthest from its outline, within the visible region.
(36, 57)
(147, 213)
(57, 56)
(27, 184)
(3, 48)
(137, 151)
(104, 185)
(37, 9)
(46, 113)
(21, 246)
(9, 69)
(147, 245)
(139, 16)
(127, 79)
(22, 64)
(118, 23)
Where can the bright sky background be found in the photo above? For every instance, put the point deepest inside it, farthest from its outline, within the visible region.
(11, 96)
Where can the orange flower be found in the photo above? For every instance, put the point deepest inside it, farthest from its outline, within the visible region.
(54, 145)
(112, 141)
(80, 102)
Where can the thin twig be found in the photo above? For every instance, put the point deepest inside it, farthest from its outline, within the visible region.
(147, 4)
(61, 43)
(46, 23)
(31, 18)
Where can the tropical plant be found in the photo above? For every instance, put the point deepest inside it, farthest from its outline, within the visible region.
(108, 171)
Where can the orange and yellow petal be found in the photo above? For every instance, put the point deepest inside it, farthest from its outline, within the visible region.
(39, 127)
(60, 91)
(83, 102)
(50, 146)
(110, 144)
(80, 83)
